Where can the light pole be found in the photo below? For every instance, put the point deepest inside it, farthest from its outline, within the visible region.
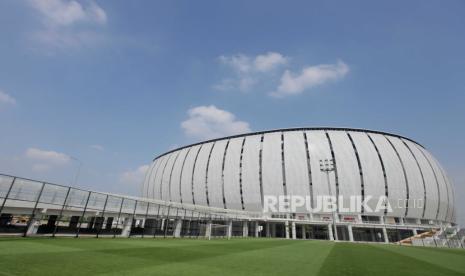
(327, 166)
(78, 171)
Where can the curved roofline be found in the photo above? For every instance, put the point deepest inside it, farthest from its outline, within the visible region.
(288, 129)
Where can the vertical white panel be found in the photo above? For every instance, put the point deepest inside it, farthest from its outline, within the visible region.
(151, 180)
(295, 159)
(431, 203)
(147, 180)
(318, 147)
(373, 177)
(272, 165)
(214, 181)
(200, 195)
(397, 191)
(186, 178)
(415, 183)
(231, 174)
(347, 167)
(250, 174)
(442, 186)
(449, 197)
(158, 176)
(176, 178)
(165, 182)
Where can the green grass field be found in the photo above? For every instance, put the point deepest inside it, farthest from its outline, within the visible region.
(68, 256)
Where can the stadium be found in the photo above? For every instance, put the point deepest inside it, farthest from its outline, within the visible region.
(240, 172)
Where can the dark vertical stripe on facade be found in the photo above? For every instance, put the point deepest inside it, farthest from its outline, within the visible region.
(193, 171)
(171, 174)
(260, 169)
(333, 156)
(206, 173)
(405, 174)
(360, 170)
(422, 177)
(240, 174)
(309, 168)
(283, 165)
(222, 174)
(386, 188)
(447, 191)
(180, 175)
(437, 182)
(162, 174)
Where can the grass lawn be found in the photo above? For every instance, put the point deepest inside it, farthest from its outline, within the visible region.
(69, 256)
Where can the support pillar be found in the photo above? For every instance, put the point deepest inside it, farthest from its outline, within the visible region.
(385, 234)
(414, 232)
(245, 229)
(293, 231)
(268, 226)
(256, 229)
(177, 228)
(208, 230)
(33, 226)
(286, 229)
(229, 233)
(126, 227)
(330, 232)
(351, 234)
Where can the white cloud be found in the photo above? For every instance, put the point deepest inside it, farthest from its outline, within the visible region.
(269, 61)
(309, 77)
(134, 177)
(207, 122)
(248, 70)
(53, 157)
(68, 24)
(66, 13)
(44, 160)
(6, 99)
(97, 147)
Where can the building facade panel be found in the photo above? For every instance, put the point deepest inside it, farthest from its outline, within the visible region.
(295, 160)
(200, 175)
(318, 148)
(231, 174)
(175, 191)
(347, 168)
(187, 175)
(272, 169)
(156, 188)
(397, 191)
(431, 202)
(165, 180)
(373, 176)
(250, 174)
(414, 179)
(215, 174)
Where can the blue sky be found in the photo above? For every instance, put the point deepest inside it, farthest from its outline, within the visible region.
(114, 83)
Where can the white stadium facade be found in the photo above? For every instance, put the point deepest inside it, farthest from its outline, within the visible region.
(242, 172)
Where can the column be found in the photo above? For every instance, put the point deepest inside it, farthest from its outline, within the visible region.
(208, 230)
(293, 230)
(256, 229)
(385, 234)
(351, 234)
(126, 227)
(229, 233)
(268, 226)
(32, 227)
(286, 229)
(415, 232)
(245, 229)
(330, 232)
(177, 228)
